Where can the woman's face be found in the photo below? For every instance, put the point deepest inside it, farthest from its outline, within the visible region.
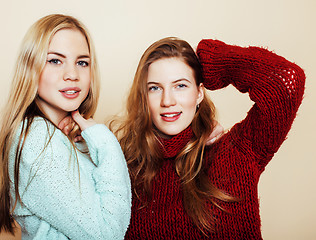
(65, 81)
(172, 95)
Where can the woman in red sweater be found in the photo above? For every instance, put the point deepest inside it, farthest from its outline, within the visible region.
(183, 189)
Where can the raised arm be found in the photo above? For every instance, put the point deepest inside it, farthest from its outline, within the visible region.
(273, 83)
(92, 204)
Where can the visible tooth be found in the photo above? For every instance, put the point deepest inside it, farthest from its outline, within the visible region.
(170, 115)
(70, 92)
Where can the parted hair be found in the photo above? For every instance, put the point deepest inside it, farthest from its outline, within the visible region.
(22, 105)
(140, 142)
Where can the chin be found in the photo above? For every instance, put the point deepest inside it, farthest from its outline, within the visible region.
(72, 108)
(171, 133)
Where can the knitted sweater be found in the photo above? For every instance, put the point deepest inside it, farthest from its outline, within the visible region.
(238, 158)
(65, 198)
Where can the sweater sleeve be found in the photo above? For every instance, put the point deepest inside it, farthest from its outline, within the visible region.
(76, 204)
(274, 84)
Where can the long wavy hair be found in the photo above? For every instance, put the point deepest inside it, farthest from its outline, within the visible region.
(22, 105)
(139, 138)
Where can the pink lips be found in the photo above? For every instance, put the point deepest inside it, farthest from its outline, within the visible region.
(170, 116)
(70, 92)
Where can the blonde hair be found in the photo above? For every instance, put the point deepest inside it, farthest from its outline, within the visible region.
(23, 106)
(139, 138)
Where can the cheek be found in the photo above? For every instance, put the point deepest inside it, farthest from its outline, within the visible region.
(154, 106)
(191, 109)
(151, 105)
(86, 82)
(189, 101)
(43, 83)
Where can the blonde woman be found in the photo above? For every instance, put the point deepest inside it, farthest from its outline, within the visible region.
(54, 188)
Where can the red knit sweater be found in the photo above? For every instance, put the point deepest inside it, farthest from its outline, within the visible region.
(276, 86)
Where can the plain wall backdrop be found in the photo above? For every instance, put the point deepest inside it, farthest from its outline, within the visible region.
(123, 29)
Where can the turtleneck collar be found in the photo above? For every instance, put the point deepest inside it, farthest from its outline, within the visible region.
(171, 147)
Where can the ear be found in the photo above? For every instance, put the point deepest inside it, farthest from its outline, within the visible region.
(200, 94)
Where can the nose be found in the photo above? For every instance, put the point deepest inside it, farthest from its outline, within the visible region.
(168, 99)
(71, 73)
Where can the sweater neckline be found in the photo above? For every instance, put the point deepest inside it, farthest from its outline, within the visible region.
(171, 147)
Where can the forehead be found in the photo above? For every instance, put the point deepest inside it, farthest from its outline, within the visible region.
(69, 40)
(168, 70)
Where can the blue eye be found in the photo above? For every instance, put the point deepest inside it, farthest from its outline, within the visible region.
(181, 85)
(153, 88)
(54, 61)
(83, 63)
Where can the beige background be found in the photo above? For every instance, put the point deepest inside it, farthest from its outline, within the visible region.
(122, 30)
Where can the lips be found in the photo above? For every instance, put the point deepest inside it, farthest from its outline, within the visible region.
(70, 92)
(170, 116)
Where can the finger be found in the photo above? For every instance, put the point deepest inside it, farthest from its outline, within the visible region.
(61, 124)
(66, 121)
(212, 140)
(78, 139)
(218, 130)
(66, 129)
(79, 119)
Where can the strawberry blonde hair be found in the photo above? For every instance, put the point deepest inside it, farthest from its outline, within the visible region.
(139, 138)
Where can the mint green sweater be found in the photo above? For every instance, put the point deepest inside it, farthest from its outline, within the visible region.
(66, 198)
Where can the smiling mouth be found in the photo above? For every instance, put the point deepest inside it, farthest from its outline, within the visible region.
(170, 115)
(70, 92)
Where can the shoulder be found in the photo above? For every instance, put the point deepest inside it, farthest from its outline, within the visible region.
(40, 128)
(38, 148)
(39, 132)
(41, 136)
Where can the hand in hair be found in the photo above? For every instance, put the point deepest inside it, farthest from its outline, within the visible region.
(68, 123)
(82, 122)
(216, 134)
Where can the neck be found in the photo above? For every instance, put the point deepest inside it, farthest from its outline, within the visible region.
(164, 136)
(55, 118)
(55, 115)
(170, 147)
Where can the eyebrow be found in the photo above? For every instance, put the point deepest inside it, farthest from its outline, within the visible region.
(178, 80)
(63, 56)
